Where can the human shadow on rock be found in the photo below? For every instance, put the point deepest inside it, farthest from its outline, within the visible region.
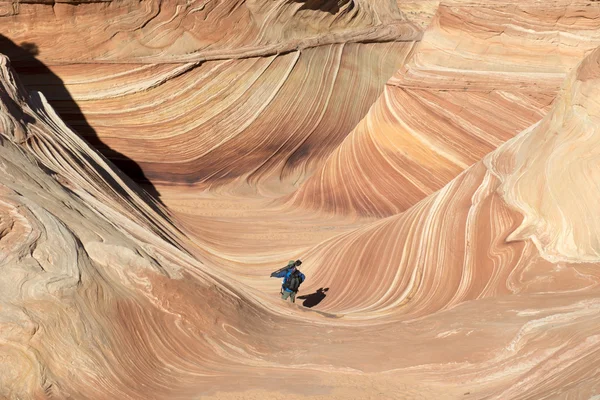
(36, 76)
(311, 300)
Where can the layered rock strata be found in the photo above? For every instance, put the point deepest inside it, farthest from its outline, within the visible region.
(484, 289)
(480, 75)
(236, 90)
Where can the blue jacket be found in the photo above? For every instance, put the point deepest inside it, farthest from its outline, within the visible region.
(285, 275)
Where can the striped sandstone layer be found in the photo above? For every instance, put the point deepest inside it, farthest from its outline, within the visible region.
(235, 90)
(481, 74)
(486, 289)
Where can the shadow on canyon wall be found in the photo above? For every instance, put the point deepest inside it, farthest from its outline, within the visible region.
(36, 76)
(330, 6)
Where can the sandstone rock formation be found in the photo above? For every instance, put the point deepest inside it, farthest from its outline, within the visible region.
(197, 77)
(479, 76)
(449, 212)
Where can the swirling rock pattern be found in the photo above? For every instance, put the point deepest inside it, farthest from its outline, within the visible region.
(253, 112)
(478, 77)
(186, 31)
(506, 229)
(186, 67)
(472, 274)
(291, 119)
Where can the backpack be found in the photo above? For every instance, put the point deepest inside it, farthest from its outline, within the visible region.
(293, 282)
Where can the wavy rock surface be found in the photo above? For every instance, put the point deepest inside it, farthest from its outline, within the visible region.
(509, 236)
(486, 288)
(481, 290)
(83, 257)
(101, 300)
(297, 108)
(202, 115)
(480, 75)
(186, 31)
(246, 92)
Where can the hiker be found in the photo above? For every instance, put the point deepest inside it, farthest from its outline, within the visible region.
(292, 279)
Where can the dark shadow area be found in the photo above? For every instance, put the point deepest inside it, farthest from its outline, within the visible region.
(311, 300)
(36, 76)
(330, 6)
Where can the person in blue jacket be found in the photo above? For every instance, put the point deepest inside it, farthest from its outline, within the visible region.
(292, 279)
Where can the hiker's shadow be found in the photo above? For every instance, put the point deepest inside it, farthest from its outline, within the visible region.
(311, 300)
(36, 76)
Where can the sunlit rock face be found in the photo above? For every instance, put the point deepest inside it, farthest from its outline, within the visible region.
(253, 93)
(485, 289)
(255, 122)
(450, 213)
(176, 31)
(86, 263)
(512, 238)
(480, 75)
(215, 100)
